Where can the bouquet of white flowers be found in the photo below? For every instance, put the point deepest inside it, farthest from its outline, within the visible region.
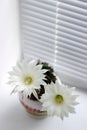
(40, 90)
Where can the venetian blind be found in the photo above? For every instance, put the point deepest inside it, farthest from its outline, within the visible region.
(56, 31)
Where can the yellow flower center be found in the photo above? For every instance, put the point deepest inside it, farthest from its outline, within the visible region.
(59, 99)
(28, 80)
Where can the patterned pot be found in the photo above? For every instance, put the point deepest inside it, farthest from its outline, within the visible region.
(34, 108)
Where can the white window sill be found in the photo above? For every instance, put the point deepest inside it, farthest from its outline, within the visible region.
(14, 117)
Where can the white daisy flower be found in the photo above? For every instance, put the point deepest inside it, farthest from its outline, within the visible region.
(58, 100)
(26, 77)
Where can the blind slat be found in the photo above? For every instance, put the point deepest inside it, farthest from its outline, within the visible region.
(56, 31)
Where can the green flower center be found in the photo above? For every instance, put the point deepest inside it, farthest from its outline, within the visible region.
(59, 99)
(28, 80)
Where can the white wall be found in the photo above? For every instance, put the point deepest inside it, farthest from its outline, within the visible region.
(9, 36)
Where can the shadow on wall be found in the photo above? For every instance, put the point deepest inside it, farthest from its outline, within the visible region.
(9, 36)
